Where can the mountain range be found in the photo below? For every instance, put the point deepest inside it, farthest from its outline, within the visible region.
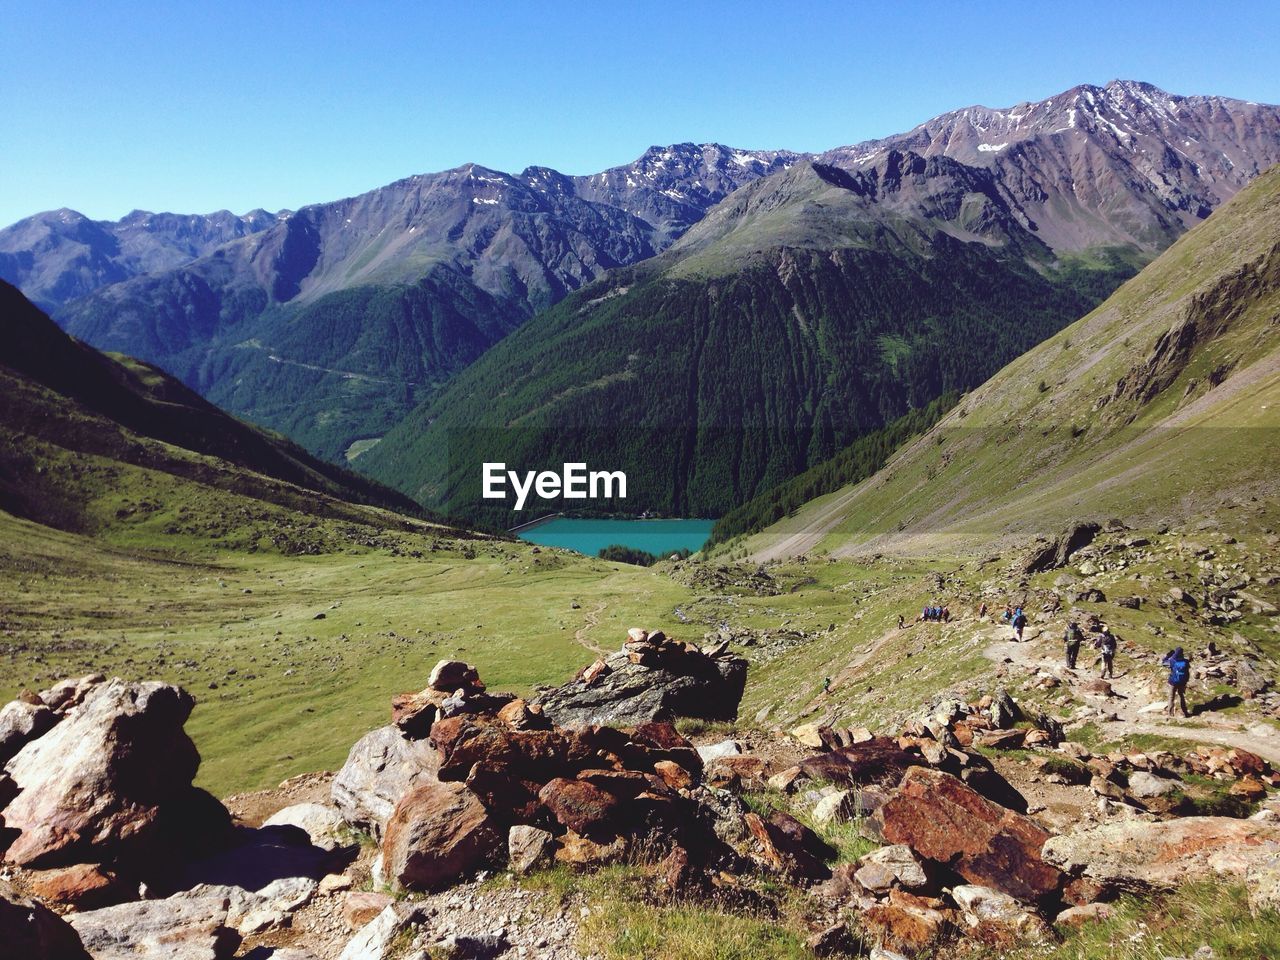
(804, 299)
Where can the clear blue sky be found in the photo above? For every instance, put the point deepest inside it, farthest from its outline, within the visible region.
(186, 106)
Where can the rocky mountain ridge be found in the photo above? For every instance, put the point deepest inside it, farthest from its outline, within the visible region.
(61, 255)
(1122, 163)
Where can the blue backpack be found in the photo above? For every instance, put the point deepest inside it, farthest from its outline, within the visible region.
(1179, 670)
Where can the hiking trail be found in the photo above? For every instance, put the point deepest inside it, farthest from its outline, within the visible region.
(1134, 699)
(592, 619)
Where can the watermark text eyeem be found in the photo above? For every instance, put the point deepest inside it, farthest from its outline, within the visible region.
(573, 482)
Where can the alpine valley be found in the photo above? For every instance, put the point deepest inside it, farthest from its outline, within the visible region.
(962, 401)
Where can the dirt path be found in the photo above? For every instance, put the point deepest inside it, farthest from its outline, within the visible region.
(1134, 696)
(592, 620)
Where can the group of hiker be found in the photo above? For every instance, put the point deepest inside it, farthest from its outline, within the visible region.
(936, 615)
(1176, 661)
(1104, 641)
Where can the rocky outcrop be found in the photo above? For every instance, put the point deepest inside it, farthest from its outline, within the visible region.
(101, 785)
(31, 931)
(1141, 857)
(381, 767)
(437, 833)
(653, 678)
(494, 768)
(1057, 553)
(947, 822)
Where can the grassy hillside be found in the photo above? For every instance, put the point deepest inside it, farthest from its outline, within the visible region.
(1163, 402)
(63, 394)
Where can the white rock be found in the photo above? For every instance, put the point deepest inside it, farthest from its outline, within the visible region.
(1145, 785)
(182, 927)
(378, 937)
(323, 824)
(714, 751)
(836, 807)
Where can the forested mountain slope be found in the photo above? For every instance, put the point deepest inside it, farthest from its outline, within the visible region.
(805, 310)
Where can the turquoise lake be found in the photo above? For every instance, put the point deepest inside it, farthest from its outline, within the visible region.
(590, 536)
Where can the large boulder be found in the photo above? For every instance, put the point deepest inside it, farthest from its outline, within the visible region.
(1137, 856)
(1055, 554)
(183, 927)
(20, 723)
(945, 821)
(31, 931)
(663, 685)
(437, 833)
(99, 785)
(381, 768)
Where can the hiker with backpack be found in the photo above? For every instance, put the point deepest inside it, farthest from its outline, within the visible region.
(1019, 624)
(1179, 673)
(1106, 645)
(1072, 639)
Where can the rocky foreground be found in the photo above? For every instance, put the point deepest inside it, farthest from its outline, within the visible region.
(110, 852)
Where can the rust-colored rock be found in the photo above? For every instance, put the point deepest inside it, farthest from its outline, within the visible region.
(673, 775)
(509, 797)
(905, 926)
(85, 886)
(1244, 763)
(677, 871)
(741, 772)
(594, 672)
(580, 806)
(437, 833)
(947, 822)
(414, 713)
(466, 740)
(521, 715)
(1248, 788)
